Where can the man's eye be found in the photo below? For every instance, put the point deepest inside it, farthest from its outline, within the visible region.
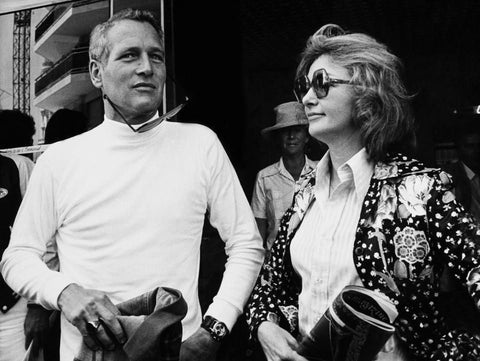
(157, 57)
(128, 56)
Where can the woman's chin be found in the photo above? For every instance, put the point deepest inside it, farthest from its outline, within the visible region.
(318, 130)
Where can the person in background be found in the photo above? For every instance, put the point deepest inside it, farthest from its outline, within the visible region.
(466, 169)
(459, 308)
(126, 203)
(18, 129)
(368, 216)
(276, 184)
(13, 307)
(42, 326)
(63, 124)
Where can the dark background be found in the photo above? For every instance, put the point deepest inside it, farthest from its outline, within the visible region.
(236, 59)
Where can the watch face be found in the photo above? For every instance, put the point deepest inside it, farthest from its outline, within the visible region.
(219, 329)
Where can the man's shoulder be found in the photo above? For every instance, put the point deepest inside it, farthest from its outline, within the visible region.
(196, 136)
(68, 149)
(269, 171)
(192, 129)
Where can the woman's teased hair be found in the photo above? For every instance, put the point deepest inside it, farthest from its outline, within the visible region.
(382, 108)
(99, 49)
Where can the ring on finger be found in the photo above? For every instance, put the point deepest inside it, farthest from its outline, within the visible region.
(93, 325)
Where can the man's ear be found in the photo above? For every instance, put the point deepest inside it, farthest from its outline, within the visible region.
(95, 73)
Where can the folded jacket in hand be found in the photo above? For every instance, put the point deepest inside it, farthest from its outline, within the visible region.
(152, 324)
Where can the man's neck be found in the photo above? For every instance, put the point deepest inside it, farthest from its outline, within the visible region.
(294, 164)
(119, 114)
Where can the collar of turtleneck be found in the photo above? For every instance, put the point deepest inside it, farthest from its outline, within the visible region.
(123, 132)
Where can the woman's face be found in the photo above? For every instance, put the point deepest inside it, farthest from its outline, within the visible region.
(330, 118)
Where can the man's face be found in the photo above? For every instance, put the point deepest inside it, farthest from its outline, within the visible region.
(293, 139)
(133, 74)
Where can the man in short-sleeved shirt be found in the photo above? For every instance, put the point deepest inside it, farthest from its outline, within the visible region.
(276, 184)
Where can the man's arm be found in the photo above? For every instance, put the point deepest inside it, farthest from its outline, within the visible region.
(25, 272)
(231, 215)
(22, 265)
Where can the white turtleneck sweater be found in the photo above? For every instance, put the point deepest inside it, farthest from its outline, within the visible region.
(127, 212)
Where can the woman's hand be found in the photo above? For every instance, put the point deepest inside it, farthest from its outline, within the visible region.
(277, 344)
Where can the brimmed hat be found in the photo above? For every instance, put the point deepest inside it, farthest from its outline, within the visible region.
(288, 115)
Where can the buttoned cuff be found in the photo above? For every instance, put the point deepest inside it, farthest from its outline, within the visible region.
(224, 312)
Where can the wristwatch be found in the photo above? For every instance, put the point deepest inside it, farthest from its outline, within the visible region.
(217, 329)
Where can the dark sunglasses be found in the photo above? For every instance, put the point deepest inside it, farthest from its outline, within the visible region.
(321, 83)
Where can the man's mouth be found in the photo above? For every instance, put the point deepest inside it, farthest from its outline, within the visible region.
(314, 115)
(144, 86)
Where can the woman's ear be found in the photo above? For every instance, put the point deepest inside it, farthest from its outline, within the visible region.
(95, 68)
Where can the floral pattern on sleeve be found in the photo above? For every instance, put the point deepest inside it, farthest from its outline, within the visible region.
(275, 295)
(456, 236)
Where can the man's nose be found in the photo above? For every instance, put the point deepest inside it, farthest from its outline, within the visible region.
(145, 65)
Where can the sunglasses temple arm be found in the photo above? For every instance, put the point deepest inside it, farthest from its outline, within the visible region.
(118, 111)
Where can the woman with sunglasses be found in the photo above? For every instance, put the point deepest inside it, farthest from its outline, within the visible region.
(369, 217)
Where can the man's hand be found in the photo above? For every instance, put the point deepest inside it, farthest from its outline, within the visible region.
(277, 344)
(82, 306)
(199, 347)
(36, 327)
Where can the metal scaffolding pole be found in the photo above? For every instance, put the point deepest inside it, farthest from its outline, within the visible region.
(21, 61)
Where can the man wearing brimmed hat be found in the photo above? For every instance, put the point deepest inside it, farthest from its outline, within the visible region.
(276, 184)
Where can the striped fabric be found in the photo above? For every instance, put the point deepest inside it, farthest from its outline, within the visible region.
(322, 249)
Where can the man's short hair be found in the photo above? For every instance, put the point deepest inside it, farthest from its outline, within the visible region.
(99, 49)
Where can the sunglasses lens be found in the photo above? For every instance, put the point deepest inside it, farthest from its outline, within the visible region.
(302, 85)
(320, 84)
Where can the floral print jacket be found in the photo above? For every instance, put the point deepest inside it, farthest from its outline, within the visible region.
(410, 228)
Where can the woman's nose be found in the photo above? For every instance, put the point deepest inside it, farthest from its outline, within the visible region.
(310, 98)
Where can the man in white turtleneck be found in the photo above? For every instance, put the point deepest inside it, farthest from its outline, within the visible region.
(126, 203)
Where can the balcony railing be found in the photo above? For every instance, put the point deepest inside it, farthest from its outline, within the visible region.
(49, 19)
(72, 63)
(54, 14)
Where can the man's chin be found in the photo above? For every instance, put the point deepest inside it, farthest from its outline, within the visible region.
(146, 108)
